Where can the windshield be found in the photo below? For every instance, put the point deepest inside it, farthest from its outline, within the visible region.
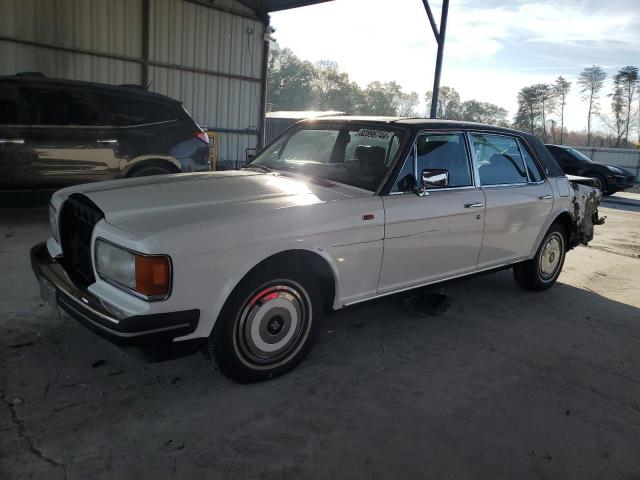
(356, 155)
(579, 155)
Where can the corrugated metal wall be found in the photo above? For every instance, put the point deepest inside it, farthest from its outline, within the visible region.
(209, 59)
(111, 27)
(204, 39)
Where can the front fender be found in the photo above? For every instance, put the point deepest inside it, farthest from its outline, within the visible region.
(248, 258)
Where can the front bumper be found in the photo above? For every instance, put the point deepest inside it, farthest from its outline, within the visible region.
(106, 320)
(620, 182)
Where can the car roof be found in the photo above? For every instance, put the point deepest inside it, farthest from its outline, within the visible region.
(413, 122)
(128, 90)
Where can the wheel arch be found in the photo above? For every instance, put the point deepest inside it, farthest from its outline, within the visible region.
(168, 163)
(567, 220)
(318, 264)
(321, 262)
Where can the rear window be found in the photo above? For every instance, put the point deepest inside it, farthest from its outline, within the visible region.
(125, 111)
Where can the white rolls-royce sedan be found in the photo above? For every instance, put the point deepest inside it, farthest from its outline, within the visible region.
(244, 264)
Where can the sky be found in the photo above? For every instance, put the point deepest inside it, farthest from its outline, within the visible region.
(493, 47)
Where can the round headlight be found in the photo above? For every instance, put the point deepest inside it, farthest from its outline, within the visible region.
(117, 264)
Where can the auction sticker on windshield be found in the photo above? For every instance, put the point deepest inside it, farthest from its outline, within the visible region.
(378, 134)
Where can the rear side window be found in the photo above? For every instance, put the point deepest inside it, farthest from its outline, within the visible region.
(499, 160)
(125, 111)
(8, 104)
(535, 175)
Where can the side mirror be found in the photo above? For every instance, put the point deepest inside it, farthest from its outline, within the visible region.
(433, 178)
(250, 154)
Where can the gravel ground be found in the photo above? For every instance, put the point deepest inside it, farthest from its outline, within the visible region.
(503, 384)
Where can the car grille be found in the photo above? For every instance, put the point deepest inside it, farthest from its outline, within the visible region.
(78, 217)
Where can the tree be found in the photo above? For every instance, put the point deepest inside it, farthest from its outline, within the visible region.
(448, 103)
(561, 89)
(483, 112)
(382, 98)
(629, 83)
(529, 113)
(289, 83)
(547, 101)
(407, 104)
(332, 89)
(591, 81)
(616, 124)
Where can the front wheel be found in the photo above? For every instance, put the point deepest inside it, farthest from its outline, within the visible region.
(600, 183)
(542, 271)
(267, 326)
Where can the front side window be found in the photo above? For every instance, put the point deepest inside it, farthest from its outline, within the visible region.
(437, 151)
(499, 160)
(356, 155)
(64, 107)
(8, 104)
(579, 155)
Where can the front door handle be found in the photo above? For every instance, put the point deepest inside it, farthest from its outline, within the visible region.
(17, 141)
(474, 205)
(107, 140)
(545, 197)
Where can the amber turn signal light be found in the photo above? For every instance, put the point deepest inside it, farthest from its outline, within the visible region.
(153, 275)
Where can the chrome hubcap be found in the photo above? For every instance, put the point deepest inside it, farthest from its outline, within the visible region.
(273, 323)
(551, 256)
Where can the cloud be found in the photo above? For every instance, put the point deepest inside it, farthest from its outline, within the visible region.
(480, 31)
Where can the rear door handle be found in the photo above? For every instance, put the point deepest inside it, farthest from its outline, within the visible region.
(107, 140)
(17, 141)
(474, 205)
(546, 197)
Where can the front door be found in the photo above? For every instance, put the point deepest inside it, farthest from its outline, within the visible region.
(15, 158)
(437, 235)
(69, 137)
(518, 199)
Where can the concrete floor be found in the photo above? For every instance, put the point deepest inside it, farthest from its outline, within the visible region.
(504, 384)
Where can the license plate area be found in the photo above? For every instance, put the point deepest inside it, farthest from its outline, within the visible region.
(49, 295)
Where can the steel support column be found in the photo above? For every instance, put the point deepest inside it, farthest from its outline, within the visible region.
(439, 35)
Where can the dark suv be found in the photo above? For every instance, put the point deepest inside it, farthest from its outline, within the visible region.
(607, 178)
(55, 133)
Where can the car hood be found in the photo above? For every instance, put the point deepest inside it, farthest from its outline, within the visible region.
(152, 204)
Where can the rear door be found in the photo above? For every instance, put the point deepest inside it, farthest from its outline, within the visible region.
(70, 136)
(437, 235)
(518, 198)
(148, 129)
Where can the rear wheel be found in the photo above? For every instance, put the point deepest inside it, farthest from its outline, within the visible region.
(542, 271)
(267, 326)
